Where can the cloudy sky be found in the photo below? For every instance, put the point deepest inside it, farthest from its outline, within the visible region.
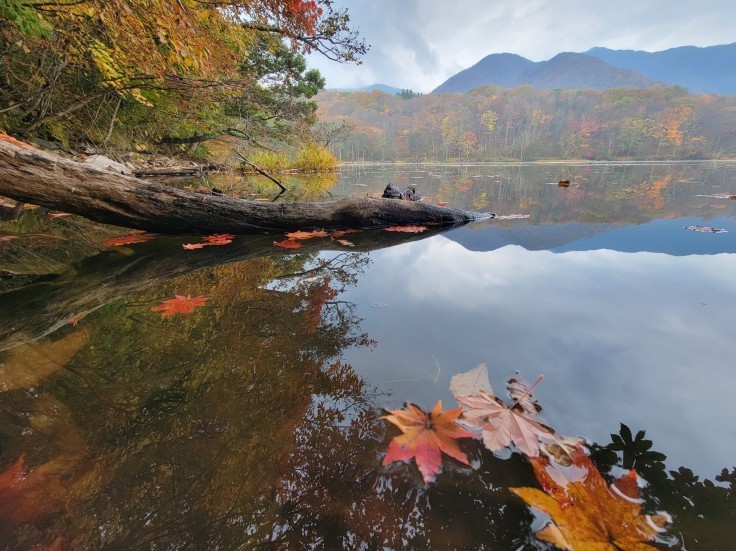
(418, 44)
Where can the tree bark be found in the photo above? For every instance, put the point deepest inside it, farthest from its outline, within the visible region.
(42, 178)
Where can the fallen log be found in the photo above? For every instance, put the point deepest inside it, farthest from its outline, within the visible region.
(42, 178)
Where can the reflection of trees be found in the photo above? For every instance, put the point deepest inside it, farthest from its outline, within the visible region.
(239, 427)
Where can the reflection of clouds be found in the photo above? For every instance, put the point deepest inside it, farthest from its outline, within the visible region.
(642, 338)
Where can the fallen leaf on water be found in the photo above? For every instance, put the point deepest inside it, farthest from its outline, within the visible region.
(407, 229)
(345, 242)
(705, 229)
(425, 437)
(288, 244)
(586, 512)
(179, 305)
(7, 237)
(190, 246)
(218, 239)
(306, 234)
(519, 392)
(128, 239)
(471, 382)
(59, 214)
(503, 425)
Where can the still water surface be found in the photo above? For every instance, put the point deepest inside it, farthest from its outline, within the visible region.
(254, 421)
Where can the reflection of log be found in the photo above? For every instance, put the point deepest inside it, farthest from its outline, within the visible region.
(39, 309)
(31, 175)
(175, 171)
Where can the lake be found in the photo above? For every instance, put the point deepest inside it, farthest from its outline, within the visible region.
(250, 412)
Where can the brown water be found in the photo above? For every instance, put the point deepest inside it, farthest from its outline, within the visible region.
(254, 421)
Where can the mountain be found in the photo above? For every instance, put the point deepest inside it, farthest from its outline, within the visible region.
(565, 70)
(709, 70)
(385, 88)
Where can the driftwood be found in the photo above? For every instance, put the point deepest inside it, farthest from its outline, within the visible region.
(35, 176)
(39, 309)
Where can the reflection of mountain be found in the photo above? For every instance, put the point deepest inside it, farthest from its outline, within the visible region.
(532, 238)
(660, 236)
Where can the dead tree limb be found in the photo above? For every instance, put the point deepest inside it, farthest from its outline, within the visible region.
(262, 172)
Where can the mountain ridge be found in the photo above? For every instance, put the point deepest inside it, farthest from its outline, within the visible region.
(702, 70)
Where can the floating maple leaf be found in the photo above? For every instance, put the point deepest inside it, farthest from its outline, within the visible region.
(501, 425)
(179, 305)
(288, 244)
(345, 242)
(128, 239)
(588, 514)
(407, 229)
(218, 239)
(190, 246)
(306, 234)
(425, 437)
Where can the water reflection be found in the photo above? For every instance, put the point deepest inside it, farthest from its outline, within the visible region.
(254, 421)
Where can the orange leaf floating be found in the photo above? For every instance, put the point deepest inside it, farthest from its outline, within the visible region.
(288, 244)
(179, 305)
(345, 242)
(218, 239)
(407, 229)
(306, 234)
(586, 512)
(425, 437)
(128, 239)
(190, 246)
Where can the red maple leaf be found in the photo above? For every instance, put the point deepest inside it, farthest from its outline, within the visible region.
(288, 244)
(128, 239)
(407, 229)
(306, 234)
(190, 246)
(179, 305)
(218, 239)
(425, 437)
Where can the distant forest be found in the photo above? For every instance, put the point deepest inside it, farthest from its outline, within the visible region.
(491, 124)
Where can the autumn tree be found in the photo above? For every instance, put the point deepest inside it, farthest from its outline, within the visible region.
(72, 69)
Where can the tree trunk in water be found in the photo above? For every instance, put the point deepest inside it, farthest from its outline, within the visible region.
(34, 176)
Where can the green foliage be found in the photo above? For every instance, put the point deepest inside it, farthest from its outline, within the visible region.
(313, 157)
(26, 19)
(408, 94)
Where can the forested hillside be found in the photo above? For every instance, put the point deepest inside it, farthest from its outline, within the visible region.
(492, 123)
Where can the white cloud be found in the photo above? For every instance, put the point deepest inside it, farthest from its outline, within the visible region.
(419, 44)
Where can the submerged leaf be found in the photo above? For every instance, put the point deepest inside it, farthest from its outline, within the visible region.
(288, 244)
(179, 305)
(425, 437)
(129, 239)
(219, 239)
